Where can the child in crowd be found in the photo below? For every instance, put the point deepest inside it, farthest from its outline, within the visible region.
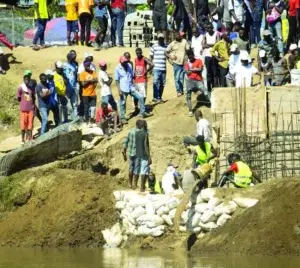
(26, 98)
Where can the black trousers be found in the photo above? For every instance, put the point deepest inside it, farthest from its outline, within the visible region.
(222, 76)
(89, 102)
(212, 72)
(187, 28)
(293, 36)
(103, 24)
(85, 20)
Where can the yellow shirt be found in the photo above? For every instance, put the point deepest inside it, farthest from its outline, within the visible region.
(71, 8)
(84, 6)
(42, 8)
(90, 88)
(223, 52)
(60, 85)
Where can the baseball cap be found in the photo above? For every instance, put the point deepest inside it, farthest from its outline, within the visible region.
(266, 32)
(262, 53)
(171, 164)
(293, 47)
(27, 72)
(233, 47)
(59, 64)
(123, 59)
(244, 55)
(102, 63)
(49, 72)
(160, 35)
(88, 54)
(181, 33)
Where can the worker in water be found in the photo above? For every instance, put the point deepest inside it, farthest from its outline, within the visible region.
(203, 152)
(239, 173)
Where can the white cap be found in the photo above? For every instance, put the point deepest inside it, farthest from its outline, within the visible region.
(262, 53)
(245, 56)
(1, 50)
(234, 47)
(49, 72)
(215, 17)
(59, 64)
(88, 54)
(293, 47)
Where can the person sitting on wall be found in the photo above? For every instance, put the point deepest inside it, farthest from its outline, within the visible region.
(239, 173)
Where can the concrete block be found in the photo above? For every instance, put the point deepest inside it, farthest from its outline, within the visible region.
(127, 39)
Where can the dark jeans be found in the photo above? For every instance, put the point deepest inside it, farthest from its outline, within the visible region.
(89, 106)
(103, 23)
(211, 69)
(40, 32)
(189, 140)
(255, 32)
(293, 36)
(187, 28)
(85, 20)
(117, 25)
(222, 76)
(159, 81)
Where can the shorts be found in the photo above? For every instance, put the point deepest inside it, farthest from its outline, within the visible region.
(103, 23)
(160, 21)
(26, 120)
(142, 88)
(194, 85)
(139, 166)
(72, 26)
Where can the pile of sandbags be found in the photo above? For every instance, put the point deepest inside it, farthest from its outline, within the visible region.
(152, 215)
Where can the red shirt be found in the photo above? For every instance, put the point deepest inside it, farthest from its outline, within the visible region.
(101, 115)
(195, 65)
(118, 4)
(293, 4)
(140, 70)
(234, 167)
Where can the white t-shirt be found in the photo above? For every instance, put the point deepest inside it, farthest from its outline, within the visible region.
(237, 6)
(234, 61)
(197, 46)
(105, 89)
(168, 181)
(203, 129)
(81, 68)
(244, 74)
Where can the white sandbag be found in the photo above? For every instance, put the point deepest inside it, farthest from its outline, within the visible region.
(137, 212)
(158, 197)
(189, 205)
(245, 202)
(182, 228)
(196, 220)
(214, 202)
(113, 237)
(199, 199)
(200, 208)
(118, 195)
(196, 230)
(207, 194)
(138, 201)
(162, 210)
(125, 213)
(158, 204)
(223, 219)
(172, 203)
(120, 205)
(150, 220)
(149, 208)
(226, 208)
(167, 219)
(128, 227)
(172, 213)
(145, 231)
(95, 131)
(208, 226)
(184, 217)
(208, 216)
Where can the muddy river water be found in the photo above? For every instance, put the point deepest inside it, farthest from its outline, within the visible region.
(117, 258)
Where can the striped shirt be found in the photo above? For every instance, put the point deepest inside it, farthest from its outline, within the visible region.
(129, 142)
(159, 57)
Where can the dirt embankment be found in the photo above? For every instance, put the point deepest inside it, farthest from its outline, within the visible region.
(272, 227)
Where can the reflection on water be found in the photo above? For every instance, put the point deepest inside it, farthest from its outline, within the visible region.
(117, 258)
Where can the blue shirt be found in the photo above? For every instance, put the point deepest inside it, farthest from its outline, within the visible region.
(42, 101)
(70, 71)
(125, 78)
(101, 11)
(53, 97)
